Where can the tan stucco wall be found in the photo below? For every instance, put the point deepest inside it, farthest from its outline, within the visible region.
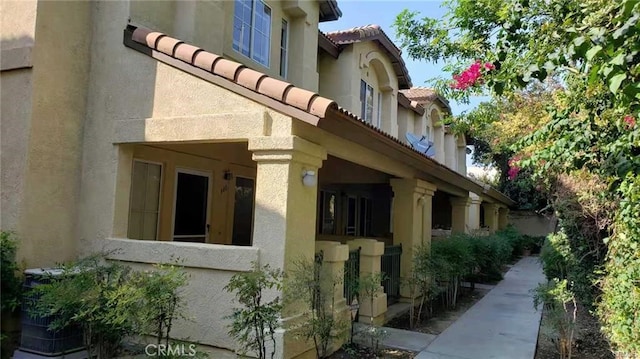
(340, 80)
(15, 111)
(530, 223)
(336, 79)
(209, 269)
(17, 30)
(405, 122)
(435, 119)
(43, 140)
(450, 151)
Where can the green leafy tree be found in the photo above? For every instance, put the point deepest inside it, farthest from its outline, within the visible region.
(312, 284)
(256, 321)
(593, 47)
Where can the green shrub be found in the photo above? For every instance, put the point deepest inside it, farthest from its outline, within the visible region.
(311, 282)
(514, 239)
(560, 312)
(111, 302)
(556, 256)
(10, 278)
(256, 321)
(491, 253)
(452, 259)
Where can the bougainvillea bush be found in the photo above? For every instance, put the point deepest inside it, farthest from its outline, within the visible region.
(593, 48)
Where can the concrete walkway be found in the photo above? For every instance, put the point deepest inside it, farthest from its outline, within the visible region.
(502, 325)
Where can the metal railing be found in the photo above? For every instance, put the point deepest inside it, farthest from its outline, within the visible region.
(390, 264)
(351, 275)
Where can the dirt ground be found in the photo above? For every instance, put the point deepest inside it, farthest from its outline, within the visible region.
(354, 351)
(441, 318)
(589, 342)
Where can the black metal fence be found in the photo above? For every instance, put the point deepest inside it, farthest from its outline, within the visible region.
(390, 263)
(351, 274)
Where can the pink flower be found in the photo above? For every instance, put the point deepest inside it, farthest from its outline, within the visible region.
(630, 121)
(513, 167)
(513, 172)
(471, 76)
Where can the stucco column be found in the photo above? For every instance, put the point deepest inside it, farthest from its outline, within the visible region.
(285, 214)
(371, 252)
(474, 211)
(334, 255)
(412, 206)
(503, 217)
(491, 216)
(459, 214)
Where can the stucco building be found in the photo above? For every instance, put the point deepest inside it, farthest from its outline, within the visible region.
(221, 133)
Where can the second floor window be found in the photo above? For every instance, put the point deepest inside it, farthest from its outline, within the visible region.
(366, 101)
(252, 30)
(284, 46)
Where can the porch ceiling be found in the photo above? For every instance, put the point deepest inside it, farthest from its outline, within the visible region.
(302, 105)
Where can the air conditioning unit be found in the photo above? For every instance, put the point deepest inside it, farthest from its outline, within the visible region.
(37, 341)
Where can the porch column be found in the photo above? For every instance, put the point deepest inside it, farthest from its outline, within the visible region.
(459, 214)
(491, 216)
(334, 255)
(474, 211)
(371, 252)
(284, 226)
(503, 217)
(412, 204)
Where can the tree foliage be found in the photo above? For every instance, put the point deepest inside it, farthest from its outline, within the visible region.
(254, 324)
(593, 48)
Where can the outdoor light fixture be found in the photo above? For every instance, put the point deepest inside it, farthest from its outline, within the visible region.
(309, 178)
(422, 200)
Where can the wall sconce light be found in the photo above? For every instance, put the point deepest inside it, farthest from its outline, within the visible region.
(422, 200)
(228, 175)
(309, 178)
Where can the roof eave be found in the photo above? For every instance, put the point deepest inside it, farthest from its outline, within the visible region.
(329, 10)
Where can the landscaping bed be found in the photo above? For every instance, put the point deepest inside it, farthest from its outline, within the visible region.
(589, 342)
(442, 318)
(353, 351)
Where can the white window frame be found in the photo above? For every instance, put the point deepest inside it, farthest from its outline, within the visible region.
(379, 109)
(364, 103)
(284, 31)
(251, 34)
(196, 172)
(159, 195)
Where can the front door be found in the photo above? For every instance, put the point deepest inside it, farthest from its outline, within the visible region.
(191, 212)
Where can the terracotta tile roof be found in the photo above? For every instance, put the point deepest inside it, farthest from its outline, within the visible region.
(410, 105)
(424, 95)
(325, 43)
(233, 71)
(375, 33)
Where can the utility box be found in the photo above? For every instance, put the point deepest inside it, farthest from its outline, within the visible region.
(37, 341)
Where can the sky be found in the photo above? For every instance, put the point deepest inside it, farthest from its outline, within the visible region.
(383, 13)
